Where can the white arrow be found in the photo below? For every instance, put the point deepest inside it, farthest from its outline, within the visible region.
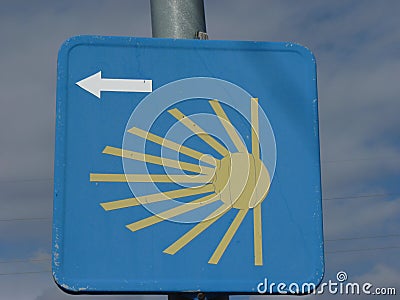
(95, 84)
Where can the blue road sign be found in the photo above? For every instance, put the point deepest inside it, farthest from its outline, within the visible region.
(186, 165)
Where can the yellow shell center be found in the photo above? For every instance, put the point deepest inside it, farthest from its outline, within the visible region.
(241, 180)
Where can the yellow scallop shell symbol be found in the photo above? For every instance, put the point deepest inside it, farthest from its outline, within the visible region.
(239, 180)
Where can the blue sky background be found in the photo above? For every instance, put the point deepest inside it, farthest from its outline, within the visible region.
(357, 47)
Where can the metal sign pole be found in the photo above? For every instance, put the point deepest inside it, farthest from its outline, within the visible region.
(181, 19)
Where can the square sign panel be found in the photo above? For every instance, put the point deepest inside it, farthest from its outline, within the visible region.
(186, 165)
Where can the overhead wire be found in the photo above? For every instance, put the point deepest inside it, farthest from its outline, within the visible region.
(26, 219)
(23, 273)
(360, 196)
(24, 260)
(362, 237)
(327, 240)
(363, 249)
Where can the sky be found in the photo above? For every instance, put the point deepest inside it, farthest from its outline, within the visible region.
(357, 48)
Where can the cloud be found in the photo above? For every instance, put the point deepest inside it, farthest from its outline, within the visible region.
(381, 276)
(358, 121)
(23, 287)
(357, 217)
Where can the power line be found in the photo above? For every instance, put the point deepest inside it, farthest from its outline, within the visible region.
(36, 272)
(326, 240)
(362, 238)
(26, 180)
(23, 273)
(325, 199)
(24, 260)
(363, 249)
(26, 219)
(330, 252)
(360, 196)
(388, 158)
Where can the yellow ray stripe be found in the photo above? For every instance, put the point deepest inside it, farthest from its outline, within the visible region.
(172, 145)
(157, 160)
(124, 203)
(228, 237)
(96, 177)
(219, 111)
(195, 231)
(254, 128)
(179, 210)
(258, 252)
(199, 131)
